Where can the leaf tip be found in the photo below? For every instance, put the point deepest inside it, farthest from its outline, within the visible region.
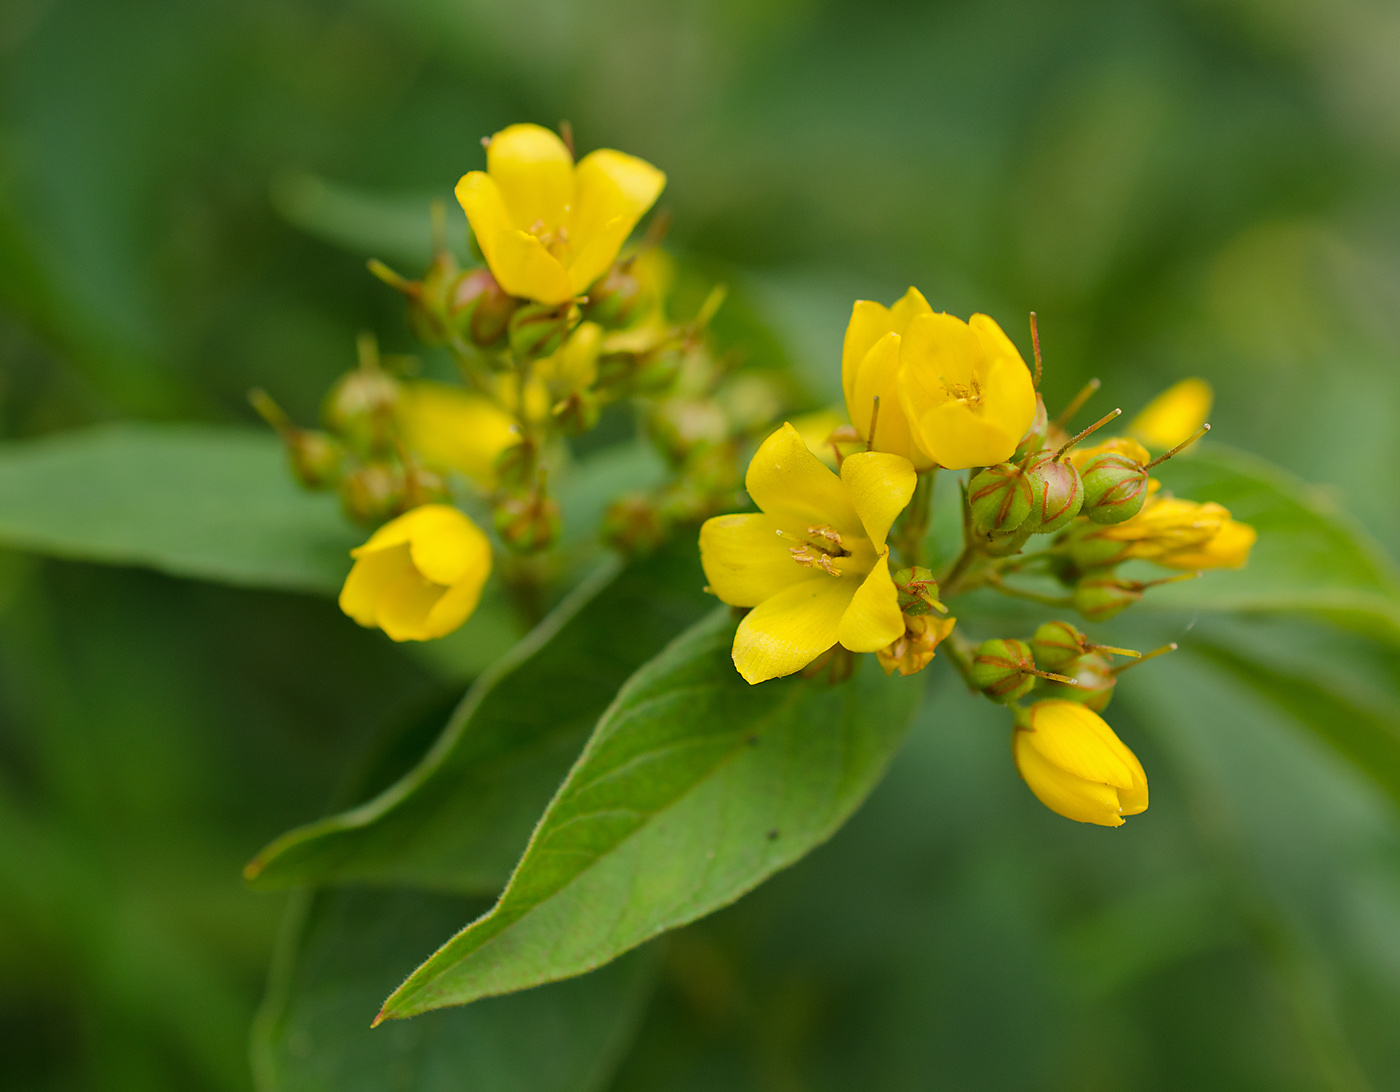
(379, 1019)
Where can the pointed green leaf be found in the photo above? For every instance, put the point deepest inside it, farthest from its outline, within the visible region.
(1310, 558)
(212, 503)
(460, 819)
(694, 788)
(347, 947)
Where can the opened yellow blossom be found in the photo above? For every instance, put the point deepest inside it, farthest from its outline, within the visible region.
(1076, 766)
(965, 390)
(813, 563)
(870, 371)
(420, 575)
(1174, 415)
(547, 227)
(450, 428)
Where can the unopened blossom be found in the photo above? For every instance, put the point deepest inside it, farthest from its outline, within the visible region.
(965, 390)
(450, 428)
(1076, 765)
(870, 374)
(1174, 415)
(812, 563)
(1183, 534)
(420, 575)
(548, 227)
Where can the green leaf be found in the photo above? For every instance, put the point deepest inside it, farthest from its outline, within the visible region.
(460, 819)
(694, 788)
(217, 504)
(1368, 738)
(347, 948)
(1310, 558)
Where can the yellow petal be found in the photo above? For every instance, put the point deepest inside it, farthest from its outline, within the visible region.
(1062, 792)
(535, 173)
(1228, 549)
(789, 630)
(880, 486)
(371, 574)
(1008, 394)
(995, 344)
(481, 200)
(786, 479)
(815, 428)
(939, 350)
(1077, 740)
(458, 602)
(447, 546)
(958, 437)
(450, 428)
(870, 322)
(746, 561)
(877, 377)
(524, 268)
(906, 308)
(873, 619)
(1174, 414)
(612, 191)
(404, 606)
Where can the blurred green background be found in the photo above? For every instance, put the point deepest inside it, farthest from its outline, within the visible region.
(188, 191)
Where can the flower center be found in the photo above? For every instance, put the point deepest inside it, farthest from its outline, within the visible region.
(816, 550)
(555, 241)
(970, 393)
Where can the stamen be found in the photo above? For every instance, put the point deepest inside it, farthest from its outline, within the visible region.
(804, 556)
(1035, 342)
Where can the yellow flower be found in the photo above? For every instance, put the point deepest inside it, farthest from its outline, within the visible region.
(1174, 414)
(574, 365)
(965, 390)
(813, 563)
(450, 428)
(870, 370)
(1076, 766)
(1182, 534)
(1227, 549)
(547, 227)
(913, 650)
(419, 576)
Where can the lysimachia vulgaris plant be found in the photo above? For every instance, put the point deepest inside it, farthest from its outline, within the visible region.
(754, 734)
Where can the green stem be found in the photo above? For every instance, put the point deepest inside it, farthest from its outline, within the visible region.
(913, 525)
(1035, 597)
(960, 651)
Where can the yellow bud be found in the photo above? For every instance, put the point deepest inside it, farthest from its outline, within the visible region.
(1174, 414)
(419, 576)
(913, 652)
(450, 428)
(1076, 766)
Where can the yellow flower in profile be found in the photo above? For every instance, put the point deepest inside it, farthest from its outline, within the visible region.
(1228, 548)
(812, 563)
(965, 390)
(1183, 534)
(420, 575)
(1174, 414)
(870, 370)
(547, 227)
(1076, 766)
(450, 428)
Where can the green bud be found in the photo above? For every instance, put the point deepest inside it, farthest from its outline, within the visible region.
(527, 522)
(614, 297)
(1057, 645)
(362, 407)
(576, 414)
(1003, 669)
(1000, 499)
(681, 425)
(1099, 598)
(1092, 550)
(1114, 487)
(538, 329)
(635, 525)
(480, 309)
(315, 457)
(515, 467)
(918, 591)
(1057, 494)
(1035, 436)
(372, 493)
(1009, 545)
(1095, 682)
(423, 486)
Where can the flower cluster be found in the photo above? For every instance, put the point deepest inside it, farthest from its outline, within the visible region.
(564, 319)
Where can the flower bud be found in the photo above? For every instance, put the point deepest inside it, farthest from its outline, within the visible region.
(1075, 764)
(527, 522)
(480, 309)
(1035, 437)
(538, 329)
(1115, 487)
(1000, 499)
(1009, 545)
(913, 652)
(614, 298)
(1094, 681)
(1095, 550)
(918, 591)
(315, 456)
(1099, 598)
(361, 407)
(1057, 494)
(1003, 669)
(680, 425)
(372, 493)
(634, 525)
(1057, 645)
(576, 414)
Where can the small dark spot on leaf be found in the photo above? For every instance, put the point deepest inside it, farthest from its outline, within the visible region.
(753, 741)
(773, 835)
